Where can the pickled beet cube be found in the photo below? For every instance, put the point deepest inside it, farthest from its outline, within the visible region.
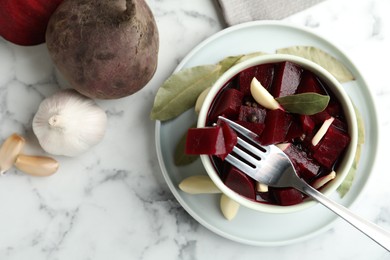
(228, 104)
(252, 114)
(263, 73)
(307, 123)
(241, 183)
(334, 108)
(342, 125)
(277, 123)
(309, 83)
(206, 140)
(244, 78)
(320, 117)
(295, 130)
(331, 146)
(306, 167)
(287, 79)
(230, 138)
(256, 128)
(287, 196)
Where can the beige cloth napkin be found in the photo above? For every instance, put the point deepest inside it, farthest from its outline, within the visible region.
(239, 11)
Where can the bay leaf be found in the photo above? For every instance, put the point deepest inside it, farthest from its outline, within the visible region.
(180, 91)
(180, 157)
(251, 55)
(305, 103)
(347, 183)
(322, 58)
(360, 124)
(230, 61)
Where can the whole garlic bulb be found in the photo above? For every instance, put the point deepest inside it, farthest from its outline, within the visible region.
(68, 123)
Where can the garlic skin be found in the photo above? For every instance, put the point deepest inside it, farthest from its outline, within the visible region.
(68, 123)
(9, 151)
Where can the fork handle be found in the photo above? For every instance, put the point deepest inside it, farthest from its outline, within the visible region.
(373, 231)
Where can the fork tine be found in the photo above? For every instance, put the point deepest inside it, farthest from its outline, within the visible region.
(247, 169)
(244, 155)
(248, 134)
(253, 149)
(242, 130)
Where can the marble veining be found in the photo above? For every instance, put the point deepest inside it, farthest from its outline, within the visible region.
(113, 203)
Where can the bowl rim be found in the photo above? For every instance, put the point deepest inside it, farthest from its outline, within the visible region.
(338, 91)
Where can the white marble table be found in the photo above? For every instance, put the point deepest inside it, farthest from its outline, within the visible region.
(112, 202)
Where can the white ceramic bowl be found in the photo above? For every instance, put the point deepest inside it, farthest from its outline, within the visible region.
(349, 112)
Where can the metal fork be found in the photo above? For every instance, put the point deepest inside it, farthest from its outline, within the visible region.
(271, 166)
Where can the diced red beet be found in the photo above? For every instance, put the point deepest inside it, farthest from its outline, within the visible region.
(244, 78)
(306, 167)
(342, 125)
(230, 137)
(256, 128)
(307, 123)
(240, 183)
(287, 79)
(320, 117)
(295, 130)
(228, 104)
(252, 114)
(309, 83)
(331, 146)
(206, 140)
(263, 73)
(287, 196)
(334, 109)
(277, 123)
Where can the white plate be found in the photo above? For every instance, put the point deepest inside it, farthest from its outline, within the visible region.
(252, 227)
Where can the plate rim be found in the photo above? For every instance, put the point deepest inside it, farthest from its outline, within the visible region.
(375, 134)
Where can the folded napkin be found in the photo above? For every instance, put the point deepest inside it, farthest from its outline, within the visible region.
(239, 11)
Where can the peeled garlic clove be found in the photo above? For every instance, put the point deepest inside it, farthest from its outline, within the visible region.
(36, 165)
(229, 207)
(322, 131)
(69, 123)
(262, 96)
(324, 180)
(261, 187)
(200, 99)
(10, 149)
(198, 184)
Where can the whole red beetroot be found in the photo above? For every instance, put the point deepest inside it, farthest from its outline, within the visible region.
(105, 49)
(24, 22)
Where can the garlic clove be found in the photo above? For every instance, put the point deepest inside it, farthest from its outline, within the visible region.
(261, 187)
(68, 123)
(200, 99)
(262, 96)
(324, 180)
(198, 184)
(9, 150)
(322, 131)
(36, 165)
(229, 207)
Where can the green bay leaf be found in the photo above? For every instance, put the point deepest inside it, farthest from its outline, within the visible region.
(230, 61)
(250, 55)
(180, 157)
(322, 58)
(347, 183)
(180, 91)
(305, 103)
